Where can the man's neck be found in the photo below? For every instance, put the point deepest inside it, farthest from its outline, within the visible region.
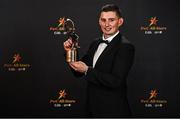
(107, 36)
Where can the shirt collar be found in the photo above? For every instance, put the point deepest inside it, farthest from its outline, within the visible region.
(111, 37)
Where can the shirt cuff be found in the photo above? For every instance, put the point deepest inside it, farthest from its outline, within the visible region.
(89, 68)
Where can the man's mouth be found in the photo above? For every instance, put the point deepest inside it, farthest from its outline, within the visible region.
(107, 29)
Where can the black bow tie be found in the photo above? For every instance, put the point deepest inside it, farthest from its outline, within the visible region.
(104, 41)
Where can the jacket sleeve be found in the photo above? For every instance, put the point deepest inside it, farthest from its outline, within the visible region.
(121, 66)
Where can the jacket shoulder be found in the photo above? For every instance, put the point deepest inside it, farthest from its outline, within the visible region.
(125, 40)
(126, 43)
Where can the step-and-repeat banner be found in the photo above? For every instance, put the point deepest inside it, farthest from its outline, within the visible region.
(35, 80)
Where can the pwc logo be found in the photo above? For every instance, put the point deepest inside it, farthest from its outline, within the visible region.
(60, 25)
(16, 64)
(153, 100)
(62, 100)
(63, 26)
(152, 27)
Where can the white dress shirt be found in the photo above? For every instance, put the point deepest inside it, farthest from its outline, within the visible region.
(101, 48)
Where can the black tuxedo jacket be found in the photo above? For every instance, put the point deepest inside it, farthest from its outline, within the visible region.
(107, 89)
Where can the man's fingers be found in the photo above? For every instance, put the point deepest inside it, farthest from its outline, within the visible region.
(73, 66)
(69, 41)
(79, 66)
(74, 63)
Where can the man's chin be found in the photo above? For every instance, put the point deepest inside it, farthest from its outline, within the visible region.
(108, 34)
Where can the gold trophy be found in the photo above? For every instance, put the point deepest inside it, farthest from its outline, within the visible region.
(71, 55)
(66, 27)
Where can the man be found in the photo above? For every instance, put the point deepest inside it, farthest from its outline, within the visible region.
(106, 66)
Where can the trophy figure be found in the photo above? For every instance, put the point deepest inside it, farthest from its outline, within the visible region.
(66, 27)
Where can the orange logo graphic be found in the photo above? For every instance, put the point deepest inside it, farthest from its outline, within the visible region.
(16, 58)
(62, 94)
(153, 94)
(61, 22)
(153, 21)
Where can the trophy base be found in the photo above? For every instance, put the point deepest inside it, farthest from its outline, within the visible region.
(71, 55)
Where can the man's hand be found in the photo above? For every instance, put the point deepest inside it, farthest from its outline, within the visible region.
(79, 66)
(68, 44)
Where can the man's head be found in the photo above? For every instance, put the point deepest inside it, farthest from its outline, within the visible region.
(110, 20)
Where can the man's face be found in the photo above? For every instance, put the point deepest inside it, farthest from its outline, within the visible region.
(109, 23)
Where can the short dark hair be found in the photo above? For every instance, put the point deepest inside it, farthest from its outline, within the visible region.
(111, 7)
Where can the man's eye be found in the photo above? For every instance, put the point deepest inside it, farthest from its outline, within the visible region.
(103, 20)
(111, 20)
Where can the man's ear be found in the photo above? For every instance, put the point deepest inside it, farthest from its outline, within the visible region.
(99, 21)
(121, 21)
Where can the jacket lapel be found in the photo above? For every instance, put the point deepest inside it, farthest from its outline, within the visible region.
(93, 50)
(115, 41)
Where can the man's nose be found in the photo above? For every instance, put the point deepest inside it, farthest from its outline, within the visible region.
(106, 23)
